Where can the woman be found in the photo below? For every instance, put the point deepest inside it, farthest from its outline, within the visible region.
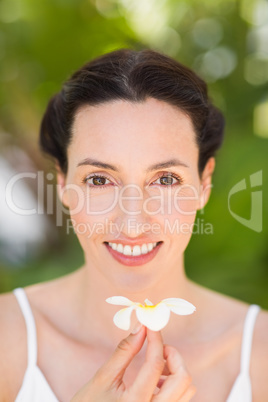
(134, 136)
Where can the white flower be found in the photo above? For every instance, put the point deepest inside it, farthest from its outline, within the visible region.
(154, 317)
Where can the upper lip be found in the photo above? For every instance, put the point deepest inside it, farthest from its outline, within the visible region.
(132, 242)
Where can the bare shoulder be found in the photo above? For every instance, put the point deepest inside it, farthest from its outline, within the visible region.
(13, 334)
(259, 362)
(13, 349)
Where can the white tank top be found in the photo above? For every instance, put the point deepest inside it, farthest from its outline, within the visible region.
(35, 387)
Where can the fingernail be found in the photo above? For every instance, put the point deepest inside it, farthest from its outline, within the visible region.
(136, 329)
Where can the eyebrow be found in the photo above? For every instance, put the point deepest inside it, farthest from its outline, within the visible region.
(167, 164)
(94, 162)
(104, 165)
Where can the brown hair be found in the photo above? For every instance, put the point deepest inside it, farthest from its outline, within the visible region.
(133, 76)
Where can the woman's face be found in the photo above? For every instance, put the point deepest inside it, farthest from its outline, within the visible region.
(133, 188)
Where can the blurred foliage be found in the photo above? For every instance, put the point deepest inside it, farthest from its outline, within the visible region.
(42, 43)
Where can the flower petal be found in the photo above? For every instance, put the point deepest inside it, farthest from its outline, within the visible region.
(119, 301)
(122, 318)
(154, 317)
(179, 306)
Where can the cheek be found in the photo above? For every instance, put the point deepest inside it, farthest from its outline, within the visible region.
(186, 200)
(175, 212)
(94, 202)
(181, 201)
(90, 211)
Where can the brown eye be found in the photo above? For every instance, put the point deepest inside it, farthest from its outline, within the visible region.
(166, 180)
(98, 181)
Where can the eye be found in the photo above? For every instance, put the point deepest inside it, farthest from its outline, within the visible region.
(97, 180)
(168, 179)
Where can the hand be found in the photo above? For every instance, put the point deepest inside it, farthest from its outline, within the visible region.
(163, 376)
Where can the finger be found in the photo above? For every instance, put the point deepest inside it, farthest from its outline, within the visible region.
(161, 381)
(163, 376)
(151, 370)
(179, 380)
(173, 359)
(166, 370)
(187, 396)
(113, 370)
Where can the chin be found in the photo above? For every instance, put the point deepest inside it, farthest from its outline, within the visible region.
(133, 282)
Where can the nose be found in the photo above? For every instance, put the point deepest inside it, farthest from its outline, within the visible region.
(131, 216)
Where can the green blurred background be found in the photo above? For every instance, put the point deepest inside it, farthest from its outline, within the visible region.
(226, 42)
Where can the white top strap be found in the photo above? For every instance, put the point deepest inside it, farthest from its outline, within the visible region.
(30, 325)
(247, 337)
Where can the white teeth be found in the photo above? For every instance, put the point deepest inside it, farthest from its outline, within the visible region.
(127, 250)
(150, 246)
(144, 249)
(135, 251)
(119, 248)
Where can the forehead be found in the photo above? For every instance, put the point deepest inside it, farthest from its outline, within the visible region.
(120, 128)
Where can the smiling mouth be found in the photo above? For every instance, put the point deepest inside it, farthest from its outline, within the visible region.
(133, 250)
(133, 255)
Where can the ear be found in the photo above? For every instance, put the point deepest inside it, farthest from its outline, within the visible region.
(61, 184)
(206, 182)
